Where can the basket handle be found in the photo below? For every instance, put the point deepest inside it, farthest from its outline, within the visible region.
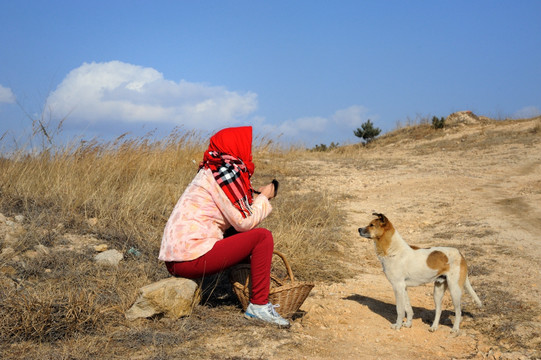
(286, 264)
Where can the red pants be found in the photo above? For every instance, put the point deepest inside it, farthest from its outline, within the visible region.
(256, 244)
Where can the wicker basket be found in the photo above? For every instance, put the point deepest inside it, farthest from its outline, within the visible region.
(286, 292)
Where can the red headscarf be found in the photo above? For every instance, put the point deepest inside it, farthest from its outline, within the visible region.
(229, 156)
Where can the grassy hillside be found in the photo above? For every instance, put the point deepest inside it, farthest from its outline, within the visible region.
(59, 202)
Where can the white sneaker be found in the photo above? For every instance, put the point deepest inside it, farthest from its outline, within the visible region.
(265, 313)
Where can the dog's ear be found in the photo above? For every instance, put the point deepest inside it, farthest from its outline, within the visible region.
(381, 218)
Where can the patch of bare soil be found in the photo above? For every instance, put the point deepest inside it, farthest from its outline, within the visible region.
(478, 189)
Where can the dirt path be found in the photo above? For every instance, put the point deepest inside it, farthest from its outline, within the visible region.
(483, 198)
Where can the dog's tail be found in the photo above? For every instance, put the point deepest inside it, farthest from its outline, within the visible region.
(472, 293)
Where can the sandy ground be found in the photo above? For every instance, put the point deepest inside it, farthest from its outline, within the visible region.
(471, 190)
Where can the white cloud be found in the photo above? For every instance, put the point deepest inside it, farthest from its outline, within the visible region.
(345, 119)
(338, 127)
(307, 125)
(352, 117)
(527, 112)
(304, 129)
(6, 95)
(117, 91)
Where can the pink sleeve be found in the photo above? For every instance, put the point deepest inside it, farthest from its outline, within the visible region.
(261, 208)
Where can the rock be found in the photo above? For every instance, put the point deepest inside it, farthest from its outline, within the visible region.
(101, 247)
(462, 117)
(30, 254)
(10, 239)
(13, 231)
(2, 218)
(92, 222)
(19, 218)
(109, 257)
(80, 242)
(173, 297)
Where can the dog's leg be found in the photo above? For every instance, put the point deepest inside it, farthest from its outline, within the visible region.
(456, 295)
(409, 309)
(439, 291)
(399, 293)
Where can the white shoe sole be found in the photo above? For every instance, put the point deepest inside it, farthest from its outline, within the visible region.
(253, 317)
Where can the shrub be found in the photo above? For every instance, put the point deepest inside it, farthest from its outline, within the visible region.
(367, 131)
(323, 147)
(438, 123)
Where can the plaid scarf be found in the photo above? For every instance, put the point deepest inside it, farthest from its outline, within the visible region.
(233, 177)
(229, 156)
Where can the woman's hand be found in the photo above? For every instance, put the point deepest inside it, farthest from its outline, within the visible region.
(267, 190)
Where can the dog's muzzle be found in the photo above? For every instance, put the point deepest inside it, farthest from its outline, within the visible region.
(363, 233)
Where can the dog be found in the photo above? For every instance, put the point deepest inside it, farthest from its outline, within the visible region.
(406, 265)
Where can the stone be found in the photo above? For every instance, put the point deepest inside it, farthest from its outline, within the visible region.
(15, 229)
(30, 254)
(19, 218)
(10, 239)
(2, 218)
(462, 117)
(173, 297)
(109, 257)
(80, 242)
(92, 222)
(101, 247)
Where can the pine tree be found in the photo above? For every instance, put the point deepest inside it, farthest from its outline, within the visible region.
(367, 131)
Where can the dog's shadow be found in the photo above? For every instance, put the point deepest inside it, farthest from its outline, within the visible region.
(388, 311)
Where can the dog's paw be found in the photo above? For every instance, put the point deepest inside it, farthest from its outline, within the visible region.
(433, 328)
(396, 326)
(407, 324)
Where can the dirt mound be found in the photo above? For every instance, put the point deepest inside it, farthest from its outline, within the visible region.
(462, 118)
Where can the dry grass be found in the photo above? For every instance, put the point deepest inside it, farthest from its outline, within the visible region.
(128, 185)
(60, 304)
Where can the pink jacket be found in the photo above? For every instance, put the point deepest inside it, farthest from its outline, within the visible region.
(201, 216)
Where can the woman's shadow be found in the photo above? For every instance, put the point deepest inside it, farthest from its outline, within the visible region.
(388, 311)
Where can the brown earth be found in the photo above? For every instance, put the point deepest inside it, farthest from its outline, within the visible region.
(477, 188)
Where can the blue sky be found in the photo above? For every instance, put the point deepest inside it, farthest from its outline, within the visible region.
(306, 72)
